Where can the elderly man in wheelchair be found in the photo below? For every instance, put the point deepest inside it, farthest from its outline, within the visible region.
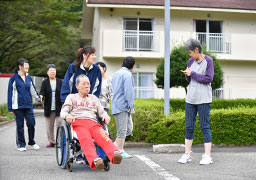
(81, 111)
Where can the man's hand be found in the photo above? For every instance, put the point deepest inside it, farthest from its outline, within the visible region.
(69, 118)
(106, 119)
(11, 112)
(187, 72)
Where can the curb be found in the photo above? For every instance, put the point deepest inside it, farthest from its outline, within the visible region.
(138, 145)
(6, 122)
(169, 148)
(36, 112)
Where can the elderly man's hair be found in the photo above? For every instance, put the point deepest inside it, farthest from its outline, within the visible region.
(78, 78)
(192, 44)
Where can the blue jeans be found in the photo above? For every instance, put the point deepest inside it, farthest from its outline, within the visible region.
(204, 118)
(28, 114)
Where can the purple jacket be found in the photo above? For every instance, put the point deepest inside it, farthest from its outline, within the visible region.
(207, 77)
(199, 89)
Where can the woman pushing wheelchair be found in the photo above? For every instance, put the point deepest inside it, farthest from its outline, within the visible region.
(80, 110)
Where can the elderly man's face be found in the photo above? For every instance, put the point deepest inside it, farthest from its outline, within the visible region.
(84, 86)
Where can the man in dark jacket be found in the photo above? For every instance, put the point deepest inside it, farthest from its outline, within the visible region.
(50, 93)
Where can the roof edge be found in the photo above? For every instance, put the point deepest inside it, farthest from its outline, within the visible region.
(172, 8)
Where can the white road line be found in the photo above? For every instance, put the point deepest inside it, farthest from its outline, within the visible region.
(157, 168)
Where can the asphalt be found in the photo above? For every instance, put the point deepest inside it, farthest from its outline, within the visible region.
(230, 162)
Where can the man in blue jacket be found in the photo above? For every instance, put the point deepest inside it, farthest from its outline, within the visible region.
(123, 102)
(20, 91)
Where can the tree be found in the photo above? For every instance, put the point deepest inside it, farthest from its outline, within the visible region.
(42, 31)
(178, 61)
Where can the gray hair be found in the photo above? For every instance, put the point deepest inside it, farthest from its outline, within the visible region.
(78, 78)
(50, 66)
(192, 44)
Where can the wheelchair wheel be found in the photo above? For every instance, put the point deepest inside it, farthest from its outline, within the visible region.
(62, 146)
(58, 146)
(106, 165)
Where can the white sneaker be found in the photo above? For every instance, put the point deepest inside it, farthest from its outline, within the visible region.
(35, 147)
(22, 149)
(206, 160)
(185, 158)
(125, 155)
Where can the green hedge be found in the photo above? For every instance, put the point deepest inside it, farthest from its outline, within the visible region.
(4, 112)
(228, 126)
(179, 104)
(234, 125)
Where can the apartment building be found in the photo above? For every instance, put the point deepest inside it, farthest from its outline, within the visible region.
(120, 28)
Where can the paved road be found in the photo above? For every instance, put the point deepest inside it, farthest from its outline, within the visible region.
(230, 163)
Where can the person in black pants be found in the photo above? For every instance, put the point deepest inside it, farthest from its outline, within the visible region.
(20, 91)
(50, 94)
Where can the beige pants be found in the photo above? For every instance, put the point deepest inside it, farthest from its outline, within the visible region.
(50, 126)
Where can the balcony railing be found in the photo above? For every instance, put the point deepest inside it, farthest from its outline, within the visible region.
(144, 92)
(216, 42)
(218, 93)
(141, 40)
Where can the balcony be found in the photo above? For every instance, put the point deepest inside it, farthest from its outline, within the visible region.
(215, 42)
(141, 41)
(139, 44)
(119, 44)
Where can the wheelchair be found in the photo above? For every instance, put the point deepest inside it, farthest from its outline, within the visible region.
(68, 148)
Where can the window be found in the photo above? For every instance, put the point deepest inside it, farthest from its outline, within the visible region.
(138, 34)
(138, 24)
(144, 85)
(205, 26)
(210, 33)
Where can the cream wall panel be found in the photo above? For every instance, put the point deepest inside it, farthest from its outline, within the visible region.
(96, 41)
(4, 89)
(242, 48)
(142, 65)
(239, 79)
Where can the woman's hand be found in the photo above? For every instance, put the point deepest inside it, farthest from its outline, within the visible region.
(41, 98)
(187, 72)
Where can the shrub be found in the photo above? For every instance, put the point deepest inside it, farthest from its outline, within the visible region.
(228, 126)
(179, 104)
(4, 112)
(232, 122)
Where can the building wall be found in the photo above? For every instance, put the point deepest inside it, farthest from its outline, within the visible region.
(239, 79)
(96, 40)
(242, 27)
(4, 89)
(238, 70)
